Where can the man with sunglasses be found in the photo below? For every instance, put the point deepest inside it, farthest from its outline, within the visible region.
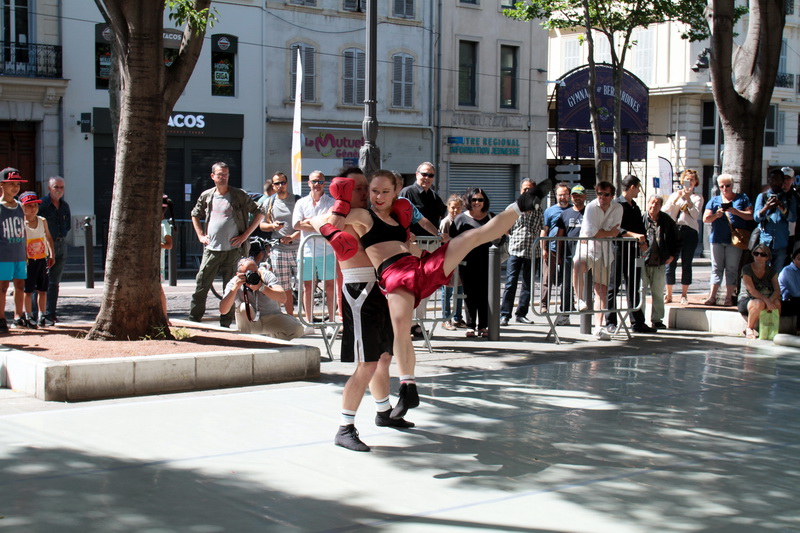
(278, 211)
(422, 196)
(601, 220)
(318, 260)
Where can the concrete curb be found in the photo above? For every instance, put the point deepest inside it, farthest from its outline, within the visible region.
(90, 379)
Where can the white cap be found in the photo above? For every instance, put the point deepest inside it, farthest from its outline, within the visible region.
(788, 171)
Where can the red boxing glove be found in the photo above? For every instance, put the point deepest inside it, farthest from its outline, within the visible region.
(403, 211)
(342, 191)
(344, 245)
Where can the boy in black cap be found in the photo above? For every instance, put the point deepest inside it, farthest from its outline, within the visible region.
(13, 257)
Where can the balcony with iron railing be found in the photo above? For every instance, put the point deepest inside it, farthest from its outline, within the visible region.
(31, 60)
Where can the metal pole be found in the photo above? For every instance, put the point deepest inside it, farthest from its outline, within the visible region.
(369, 156)
(172, 257)
(588, 288)
(494, 293)
(88, 253)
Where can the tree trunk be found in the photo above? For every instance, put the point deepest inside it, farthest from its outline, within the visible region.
(593, 118)
(742, 80)
(131, 306)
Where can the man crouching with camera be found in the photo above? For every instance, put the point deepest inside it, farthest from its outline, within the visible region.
(257, 297)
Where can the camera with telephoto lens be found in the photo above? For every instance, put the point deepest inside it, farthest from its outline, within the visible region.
(252, 277)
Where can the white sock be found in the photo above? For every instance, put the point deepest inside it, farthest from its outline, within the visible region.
(348, 417)
(383, 405)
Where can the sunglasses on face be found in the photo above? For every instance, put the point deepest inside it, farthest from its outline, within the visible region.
(603, 194)
(278, 183)
(476, 200)
(315, 182)
(760, 254)
(427, 174)
(725, 186)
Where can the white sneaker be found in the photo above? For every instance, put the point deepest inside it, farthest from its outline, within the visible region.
(562, 320)
(602, 334)
(582, 305)
(308, 331)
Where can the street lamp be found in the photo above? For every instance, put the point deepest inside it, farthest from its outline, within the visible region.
(369, 155)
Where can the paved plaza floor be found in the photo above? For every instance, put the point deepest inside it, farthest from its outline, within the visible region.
(698, 440)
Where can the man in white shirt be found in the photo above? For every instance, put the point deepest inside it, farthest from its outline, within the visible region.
(601, 220)
(319, 262)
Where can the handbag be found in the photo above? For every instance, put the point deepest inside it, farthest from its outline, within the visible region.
(740, 237)
(768, 323)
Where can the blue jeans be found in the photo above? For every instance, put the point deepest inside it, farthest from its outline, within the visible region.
(514, 266)
(447, 297)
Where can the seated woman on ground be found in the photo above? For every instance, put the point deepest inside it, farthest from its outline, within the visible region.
(405, 278)
(763, 291)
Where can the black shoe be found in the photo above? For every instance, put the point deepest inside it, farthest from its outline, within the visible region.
(659, 325)
(43, 323)
(19, 323)
(3, 326)
(523, 320)
(416, 332)
(347, 437)
(643, 328)
(504, 321)
(407, 399)
(384, 420)
(30, 321)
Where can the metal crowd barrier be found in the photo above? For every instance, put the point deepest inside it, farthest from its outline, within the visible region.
(561, 286)
(328, 326)
(433, 308)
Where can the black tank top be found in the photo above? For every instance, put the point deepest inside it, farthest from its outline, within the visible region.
(382, 232)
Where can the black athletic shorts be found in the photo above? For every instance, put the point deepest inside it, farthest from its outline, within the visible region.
(367, 330)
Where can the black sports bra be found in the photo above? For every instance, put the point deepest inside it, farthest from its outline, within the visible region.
(382, 232)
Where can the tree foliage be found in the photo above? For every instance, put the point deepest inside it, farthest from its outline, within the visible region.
(147, 92)
(615, 21)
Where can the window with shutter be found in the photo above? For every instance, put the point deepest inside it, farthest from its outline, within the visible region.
(403, 9)
(307, 56)
(402, 81)
(354, 67)
(353, 5)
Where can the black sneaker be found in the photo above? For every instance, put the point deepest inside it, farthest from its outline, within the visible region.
(643, 328)
(407, 399)
(347, 437)
(42, 322)
(3, 326)
(30, 321)
(19, 323)
(416, 332)
(384, 420)
(659, 325)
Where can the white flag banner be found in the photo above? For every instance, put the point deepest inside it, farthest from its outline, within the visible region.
(297, 136)
(665, 174)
